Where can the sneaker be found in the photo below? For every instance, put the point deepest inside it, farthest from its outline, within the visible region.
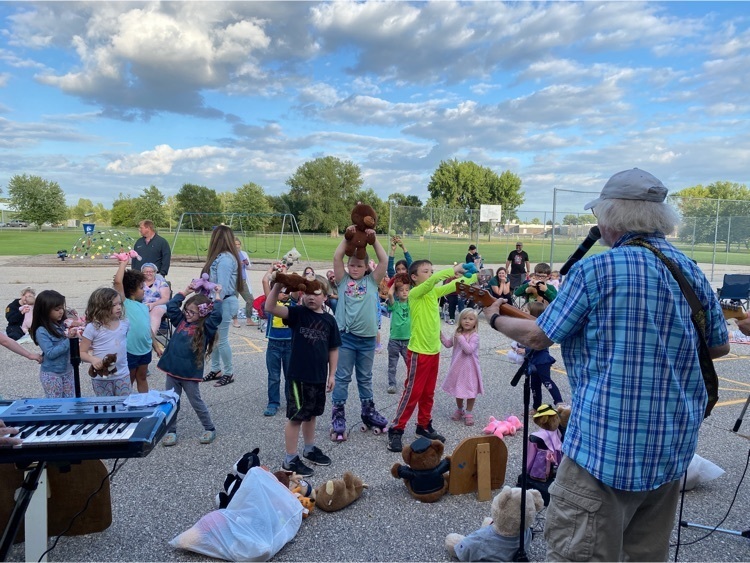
(430, 433)
(208, 436)
(317, 457)
(378, 348)
(391, 389)
(458, 414)
(297, 467)
(271, 410)
(394, 440)
(170, 439)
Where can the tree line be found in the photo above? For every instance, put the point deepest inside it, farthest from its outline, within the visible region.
(321, 195)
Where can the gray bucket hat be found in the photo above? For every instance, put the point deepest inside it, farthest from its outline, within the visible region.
(632, 184)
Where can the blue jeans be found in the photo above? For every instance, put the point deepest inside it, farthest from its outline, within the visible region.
(352, 356)
(224, 354)
(278, 354)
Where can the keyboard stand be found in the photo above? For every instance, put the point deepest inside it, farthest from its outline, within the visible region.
(36, 531)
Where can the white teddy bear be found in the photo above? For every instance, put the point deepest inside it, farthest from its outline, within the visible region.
(497, 539)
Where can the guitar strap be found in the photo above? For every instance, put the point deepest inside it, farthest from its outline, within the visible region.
(698, 316)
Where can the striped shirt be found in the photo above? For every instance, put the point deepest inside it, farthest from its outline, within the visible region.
(630, 350)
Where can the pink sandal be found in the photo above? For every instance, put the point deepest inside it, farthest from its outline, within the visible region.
(469, 419)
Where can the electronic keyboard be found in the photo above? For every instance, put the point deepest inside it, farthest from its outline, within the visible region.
(82, 428)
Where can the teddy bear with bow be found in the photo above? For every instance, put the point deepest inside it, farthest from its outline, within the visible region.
(423, 476)
(361, 232)
(498, 538)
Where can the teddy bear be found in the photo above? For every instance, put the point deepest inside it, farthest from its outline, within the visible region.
(502, 428)
(125, 256)
(202, 285)
(361, 232)
(295, 282)
(291, 257)
(423, 476)
(498, 538)
(108, 366)
(544, 451)
(234, 479)
(338, 493)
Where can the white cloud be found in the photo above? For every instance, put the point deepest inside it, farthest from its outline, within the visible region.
(163, 158)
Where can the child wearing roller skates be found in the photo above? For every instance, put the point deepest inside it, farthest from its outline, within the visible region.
(423, 356)
(315, 352)
(356, 316)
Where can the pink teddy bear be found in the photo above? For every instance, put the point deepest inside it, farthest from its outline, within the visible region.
(502, 428)
(125, 256)
(202, 285)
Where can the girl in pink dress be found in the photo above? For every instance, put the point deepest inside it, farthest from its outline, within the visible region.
(464, 380)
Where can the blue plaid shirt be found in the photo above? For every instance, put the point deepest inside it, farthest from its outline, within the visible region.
(630, 350)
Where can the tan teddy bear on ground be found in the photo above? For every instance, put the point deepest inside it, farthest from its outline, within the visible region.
(361, 232)
(338, 493)
(497, 539)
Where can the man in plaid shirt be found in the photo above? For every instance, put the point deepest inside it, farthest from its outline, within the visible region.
(638, 396)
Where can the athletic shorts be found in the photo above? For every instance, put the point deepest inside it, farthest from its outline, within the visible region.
(306, 400)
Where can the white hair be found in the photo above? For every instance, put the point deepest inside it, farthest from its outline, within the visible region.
(635, 216)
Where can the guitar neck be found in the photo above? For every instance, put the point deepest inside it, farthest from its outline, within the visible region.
(482, 296)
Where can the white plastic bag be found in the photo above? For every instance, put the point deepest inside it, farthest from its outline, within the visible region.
(261, 518)
(700, 471)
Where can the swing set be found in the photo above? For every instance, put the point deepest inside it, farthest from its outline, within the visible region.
(239, 223)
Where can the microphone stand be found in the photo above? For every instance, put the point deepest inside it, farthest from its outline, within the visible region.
(75, 361)
(523, 371)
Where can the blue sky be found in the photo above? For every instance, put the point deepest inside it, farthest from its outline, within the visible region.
(109, 98)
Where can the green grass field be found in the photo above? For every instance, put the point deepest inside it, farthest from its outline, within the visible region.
(320, 248)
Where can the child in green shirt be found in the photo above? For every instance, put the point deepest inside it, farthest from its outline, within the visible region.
(398, 306)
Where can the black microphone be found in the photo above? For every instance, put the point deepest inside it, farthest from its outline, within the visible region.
(593, 236)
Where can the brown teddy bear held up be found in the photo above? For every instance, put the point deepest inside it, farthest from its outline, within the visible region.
(295, 282)
(108, 366)
(361, 232)
(423, 476)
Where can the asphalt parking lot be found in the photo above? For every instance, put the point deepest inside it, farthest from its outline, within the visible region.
(157, 497)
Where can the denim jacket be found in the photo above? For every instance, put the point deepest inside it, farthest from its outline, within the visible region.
(223, 271)
(56, 350)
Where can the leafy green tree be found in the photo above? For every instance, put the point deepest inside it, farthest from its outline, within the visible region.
(124, 212)
(150, 205)
(195, 199)
(406, 213)
(699, 208)
(102, 215)
(325, 190)
(570, 220)
(251, 199)
(466, 185)
(81, 209)
(536, 221)
(37, 200)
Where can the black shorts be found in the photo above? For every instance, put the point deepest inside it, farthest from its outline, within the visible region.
(134, 360)
(306, 400)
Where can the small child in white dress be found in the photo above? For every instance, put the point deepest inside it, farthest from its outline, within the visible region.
(464, 379)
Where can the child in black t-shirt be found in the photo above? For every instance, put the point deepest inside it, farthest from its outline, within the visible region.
(315, 343)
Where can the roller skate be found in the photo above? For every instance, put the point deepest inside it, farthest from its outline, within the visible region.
(429, 432)
(372, 419)
(338, 424)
